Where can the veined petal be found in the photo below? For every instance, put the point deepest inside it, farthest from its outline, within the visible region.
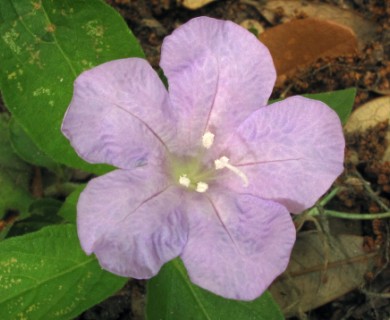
(120, 114)
(218, 74)
(291, 152)
(132, 220)
(238, 244)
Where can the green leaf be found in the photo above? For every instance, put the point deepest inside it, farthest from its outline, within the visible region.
(42, 213)
(44, 45)
(14, 176)
(46, 275)
(340, 101)
(171, 296)
(26, 149)
(68, 209)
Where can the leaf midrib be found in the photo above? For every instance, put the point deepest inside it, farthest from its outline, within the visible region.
(184, 277)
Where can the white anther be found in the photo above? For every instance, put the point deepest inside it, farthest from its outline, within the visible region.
(184, 181)
(201, 186)
(223, 162)
(208, 140)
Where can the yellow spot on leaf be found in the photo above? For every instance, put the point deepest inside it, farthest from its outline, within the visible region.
(50, 28)
(34, 57)
(42, 91)
(12, 76)
(10, 38)
(8, 263)
(94, 29)
(36, 5)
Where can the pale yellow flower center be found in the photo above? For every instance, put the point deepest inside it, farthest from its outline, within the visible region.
(193, 174)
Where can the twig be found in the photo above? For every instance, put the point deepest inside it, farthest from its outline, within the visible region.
(385, 295)
(371, 192)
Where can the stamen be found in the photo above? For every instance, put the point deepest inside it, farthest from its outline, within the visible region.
(208, 140)
(184, 180)
(223, 162)
(201, 186)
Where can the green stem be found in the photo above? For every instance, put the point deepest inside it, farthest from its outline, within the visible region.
(354, 216)
(329, 196)
(319, 210)
(315, 211)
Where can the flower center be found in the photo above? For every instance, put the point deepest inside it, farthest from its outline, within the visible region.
(186, 182)
(193, 174)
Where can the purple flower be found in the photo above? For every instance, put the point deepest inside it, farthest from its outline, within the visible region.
(206, 171)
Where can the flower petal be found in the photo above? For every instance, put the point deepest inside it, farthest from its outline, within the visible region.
(218, 74)
(132, 220)
(238, 244)
(120, 114)
(291, 152)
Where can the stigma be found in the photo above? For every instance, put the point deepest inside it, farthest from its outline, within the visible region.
(223, 162)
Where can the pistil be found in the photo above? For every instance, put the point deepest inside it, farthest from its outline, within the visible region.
(223, 162)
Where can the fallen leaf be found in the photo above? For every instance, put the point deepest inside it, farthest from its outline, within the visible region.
(300, 43)
(369, 115)
(318, 274)
(364, 29)
(195, 4)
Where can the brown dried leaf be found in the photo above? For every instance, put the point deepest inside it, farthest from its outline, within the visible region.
(319, 273)
(300, 43)
(364, 29)
(369, 115)
(195, 4)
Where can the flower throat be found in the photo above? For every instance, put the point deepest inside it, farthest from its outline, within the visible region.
(191, 173)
